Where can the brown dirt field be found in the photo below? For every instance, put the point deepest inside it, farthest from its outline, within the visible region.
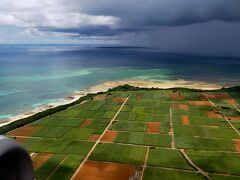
(185, 120)
(233, 117)
(212, 114)
(119, 99)
(219, 96)
(24, 131)
(92, 170)
(237, 145)
(86, 123)
(231, 101)
(94, 137)
(180, 106)
(99, 98)
(200, 103)
(40, 159)
(20, 140)
(176, 96)
(153, 127)
(109, 136)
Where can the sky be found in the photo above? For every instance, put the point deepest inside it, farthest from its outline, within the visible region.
(206, 27)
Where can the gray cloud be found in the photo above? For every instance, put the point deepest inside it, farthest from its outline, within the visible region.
(211, 38)
(209, 26)
(164, 12)
(116, 14)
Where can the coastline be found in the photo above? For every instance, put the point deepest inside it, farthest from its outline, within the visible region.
(111, 84)
(180, 83)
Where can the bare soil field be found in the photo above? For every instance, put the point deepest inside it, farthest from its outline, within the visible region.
(119, 99)
(185, 120)
(24, 131)
(200, 103)
(233, 118)
(94, 137)
(219, 96)
(40, 159)
(86, 123)
(237, 145)
(176, 96)
(153, 127)
(99, 98)
(92, 170)
(180, 106)
(212, 114)
(231, 101)
(109, 136)
(20, 139)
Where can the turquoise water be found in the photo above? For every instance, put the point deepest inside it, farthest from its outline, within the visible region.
(34, 75)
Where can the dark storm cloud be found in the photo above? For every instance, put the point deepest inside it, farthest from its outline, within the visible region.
(211, 38)
(163, 12)
(199, 26)
(116, 15)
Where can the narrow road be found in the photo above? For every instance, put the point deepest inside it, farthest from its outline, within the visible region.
(171, 130)
(145, 163)
(199, 170)
(236, 107)
(96, 143)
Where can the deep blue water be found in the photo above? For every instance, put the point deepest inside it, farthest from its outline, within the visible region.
(32, 75)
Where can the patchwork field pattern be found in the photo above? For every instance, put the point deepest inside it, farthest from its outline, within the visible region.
(142, 134)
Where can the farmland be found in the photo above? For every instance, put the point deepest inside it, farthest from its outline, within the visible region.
(141, 133)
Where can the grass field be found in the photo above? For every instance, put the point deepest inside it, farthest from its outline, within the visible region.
(217, 162)
(157, 173)
(189, 127)
(119, 153)
(144, 139)
(174, 159)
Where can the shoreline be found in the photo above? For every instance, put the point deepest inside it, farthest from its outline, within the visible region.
(102, 87)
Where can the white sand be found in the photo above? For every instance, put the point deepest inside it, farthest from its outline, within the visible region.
(111, 84)
(149, 84)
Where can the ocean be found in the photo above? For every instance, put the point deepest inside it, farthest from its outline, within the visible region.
(35, 75)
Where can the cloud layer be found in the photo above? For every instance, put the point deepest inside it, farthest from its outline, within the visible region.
(136, 20)
(124, 14)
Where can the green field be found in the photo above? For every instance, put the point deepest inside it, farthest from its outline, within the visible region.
(157, 173)
(144, 139)
(174, 159)
(186, 131)
(119, 153)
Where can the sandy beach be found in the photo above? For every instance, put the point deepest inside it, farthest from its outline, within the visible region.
(111, 84)
(153, 84)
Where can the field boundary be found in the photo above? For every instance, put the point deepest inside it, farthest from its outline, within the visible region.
(56, 168)
(171, 130)
(145, 163)
(199, 170)
(223, 115)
